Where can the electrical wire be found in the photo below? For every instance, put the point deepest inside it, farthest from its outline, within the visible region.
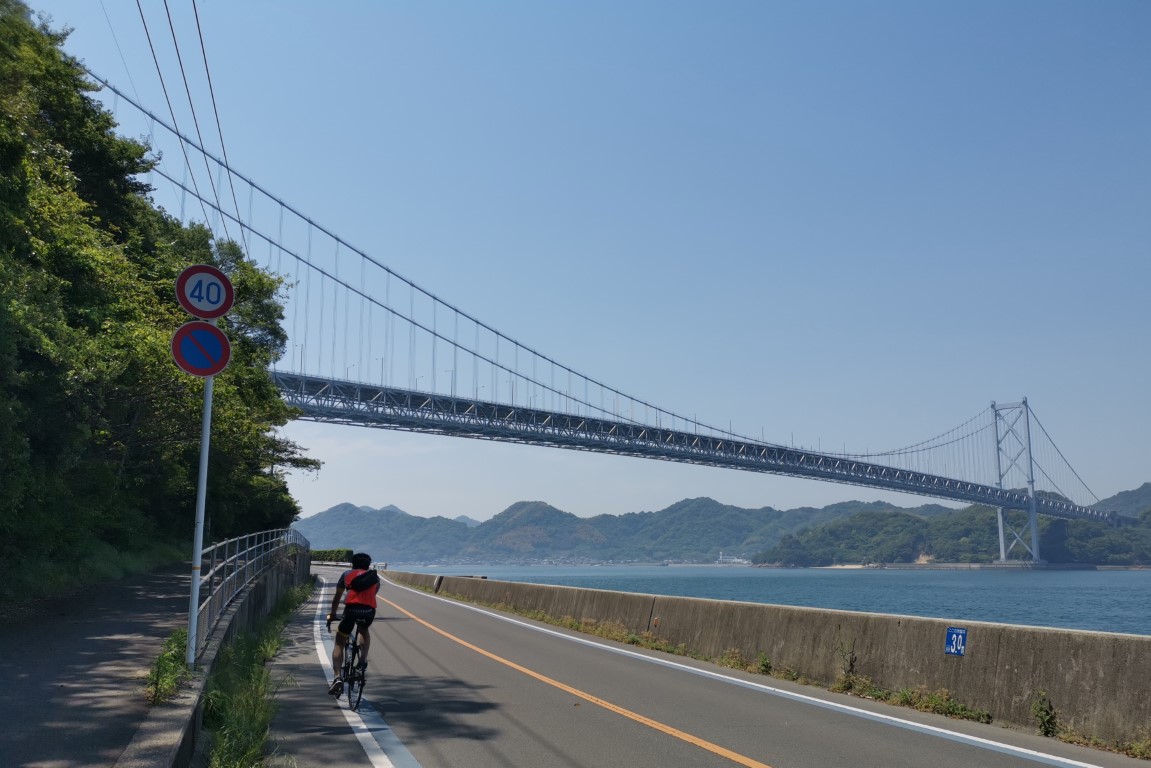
(171, 111)
(195, 120)
(219, 128)
(392, 314)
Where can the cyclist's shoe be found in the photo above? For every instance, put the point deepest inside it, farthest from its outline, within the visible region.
(337, 686)
(362, 666)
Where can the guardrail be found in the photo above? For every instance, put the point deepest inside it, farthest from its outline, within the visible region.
(228, 567)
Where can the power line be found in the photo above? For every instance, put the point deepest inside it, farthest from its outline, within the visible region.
(219, 129)
(172, 112)
(955, 438)
(127, 71)
(119, 50)
(195, 120)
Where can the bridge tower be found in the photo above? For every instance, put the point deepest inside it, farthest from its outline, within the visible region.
(1013, 451)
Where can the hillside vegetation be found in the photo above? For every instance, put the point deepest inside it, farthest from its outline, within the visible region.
(692, 530)
(965, 536)
(99, 431)
(697, 530)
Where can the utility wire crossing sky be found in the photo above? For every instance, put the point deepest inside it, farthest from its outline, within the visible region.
(842, 226)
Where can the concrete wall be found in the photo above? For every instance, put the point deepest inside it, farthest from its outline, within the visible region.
(1095, 680)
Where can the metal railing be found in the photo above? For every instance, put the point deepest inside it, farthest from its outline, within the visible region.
(228, 567)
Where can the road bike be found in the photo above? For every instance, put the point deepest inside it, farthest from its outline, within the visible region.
(354, 669)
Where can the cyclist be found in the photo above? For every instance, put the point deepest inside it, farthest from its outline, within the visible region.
(361, 584)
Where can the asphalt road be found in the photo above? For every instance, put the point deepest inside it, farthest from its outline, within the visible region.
(451, 685)
(73, 671)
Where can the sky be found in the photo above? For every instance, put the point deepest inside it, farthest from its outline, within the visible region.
(834, 224)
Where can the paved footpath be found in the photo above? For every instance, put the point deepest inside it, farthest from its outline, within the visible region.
(72, 673)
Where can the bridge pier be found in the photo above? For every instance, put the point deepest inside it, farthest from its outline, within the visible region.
(1021, 447)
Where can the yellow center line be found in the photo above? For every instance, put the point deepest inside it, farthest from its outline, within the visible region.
(735, 757)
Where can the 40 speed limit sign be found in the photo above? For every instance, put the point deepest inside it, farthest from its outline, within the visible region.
(204, 291)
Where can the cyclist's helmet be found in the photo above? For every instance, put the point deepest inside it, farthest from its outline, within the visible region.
(361, 561)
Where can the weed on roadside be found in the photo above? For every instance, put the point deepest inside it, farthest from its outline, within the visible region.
(240, 695)
(170, 671)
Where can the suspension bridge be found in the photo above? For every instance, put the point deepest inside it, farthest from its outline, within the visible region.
(423, 365)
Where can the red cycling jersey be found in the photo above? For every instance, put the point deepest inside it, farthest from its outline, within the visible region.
(361, 597)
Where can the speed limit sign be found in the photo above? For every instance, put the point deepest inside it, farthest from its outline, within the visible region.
(204, 291)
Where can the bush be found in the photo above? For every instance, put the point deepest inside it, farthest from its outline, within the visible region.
(332, 555)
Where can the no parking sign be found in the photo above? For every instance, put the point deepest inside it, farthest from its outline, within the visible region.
(201, 349)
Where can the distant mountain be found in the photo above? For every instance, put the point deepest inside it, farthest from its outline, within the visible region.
(383, 533)
(692, 530)
(961, 536)
(1133, 503)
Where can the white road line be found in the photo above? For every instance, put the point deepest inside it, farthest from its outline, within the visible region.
(380, 743)
(931, 730)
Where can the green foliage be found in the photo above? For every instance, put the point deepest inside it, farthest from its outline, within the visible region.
(240, 696)
(1134, 503)
(859, 685)
(961, 536)
(732, 658)
(99, 431)
(693, 530)
(939, 701)
(332, 555)
(170, 670)
(696, 530)
(845, 650)
(1045, 715)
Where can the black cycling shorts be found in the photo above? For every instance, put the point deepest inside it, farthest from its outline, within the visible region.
(357, 615)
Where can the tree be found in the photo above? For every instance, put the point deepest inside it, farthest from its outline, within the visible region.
(99, 431)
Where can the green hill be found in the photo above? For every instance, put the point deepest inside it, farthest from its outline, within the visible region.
(692, 530)
(1132, 503)
(962, 536)
(697, 530)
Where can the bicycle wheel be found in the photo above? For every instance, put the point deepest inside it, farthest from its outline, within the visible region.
(356, 691)
(353, 679)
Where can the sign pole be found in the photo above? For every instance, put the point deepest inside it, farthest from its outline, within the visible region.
(198, 538)
(199, 348)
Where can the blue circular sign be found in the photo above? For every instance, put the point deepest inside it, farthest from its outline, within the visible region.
(201, 349)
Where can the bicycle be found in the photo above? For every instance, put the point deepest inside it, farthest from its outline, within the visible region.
(353, 670)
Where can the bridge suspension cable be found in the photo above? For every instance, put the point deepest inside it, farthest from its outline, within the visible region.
(345, 316)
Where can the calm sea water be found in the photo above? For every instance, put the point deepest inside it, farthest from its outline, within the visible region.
(1105, 601)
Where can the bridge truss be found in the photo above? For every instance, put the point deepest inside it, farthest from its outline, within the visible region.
(356, 403)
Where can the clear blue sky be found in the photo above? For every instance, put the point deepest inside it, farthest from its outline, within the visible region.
(837, 224)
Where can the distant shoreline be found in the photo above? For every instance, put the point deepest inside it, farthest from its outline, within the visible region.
(1023, 566)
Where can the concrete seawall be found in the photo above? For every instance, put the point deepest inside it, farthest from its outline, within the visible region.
(1095, 680)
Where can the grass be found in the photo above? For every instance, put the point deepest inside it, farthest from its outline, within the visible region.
(1047, 720)
(240, 697)
(26, 583)
(170, 671)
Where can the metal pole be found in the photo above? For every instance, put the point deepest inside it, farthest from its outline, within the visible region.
(1033, 516)
(999, 482)
(198, 538)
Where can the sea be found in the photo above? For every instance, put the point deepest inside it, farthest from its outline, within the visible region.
(1096, 600)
